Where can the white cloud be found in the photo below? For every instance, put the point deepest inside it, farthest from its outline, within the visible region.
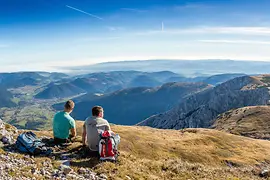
(224, 41)
(113, 28)
(192, 6)
(191, 43)
(241, 30)
(96, 39)
(261, 31)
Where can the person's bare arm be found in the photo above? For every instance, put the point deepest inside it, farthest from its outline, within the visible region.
(108, 128)
(72, 128)
(84, 136)
(73, 132)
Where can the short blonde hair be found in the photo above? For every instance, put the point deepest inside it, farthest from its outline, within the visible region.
(69, 105)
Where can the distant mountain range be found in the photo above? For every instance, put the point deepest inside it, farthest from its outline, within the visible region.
(201, 109)
(130, 106)
(21, 79)
(116, 80)
(188, 68)
(59, 91)
(103, 83)
(189, 101)
(6, 98)
(220, 78)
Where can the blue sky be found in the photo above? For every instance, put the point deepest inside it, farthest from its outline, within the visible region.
(42, 34)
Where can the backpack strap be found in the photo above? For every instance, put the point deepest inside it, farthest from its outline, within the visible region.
(113, 140)
(106, 144)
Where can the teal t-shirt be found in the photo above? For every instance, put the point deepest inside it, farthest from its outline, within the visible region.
(62, 123)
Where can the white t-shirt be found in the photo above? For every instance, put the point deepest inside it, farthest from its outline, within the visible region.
(93, 125)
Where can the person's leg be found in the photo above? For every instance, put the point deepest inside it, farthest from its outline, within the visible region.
(71, 138)
(94, 154)
(88, 153)
(59, 141)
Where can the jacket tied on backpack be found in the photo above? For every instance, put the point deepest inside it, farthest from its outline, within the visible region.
(108, 146)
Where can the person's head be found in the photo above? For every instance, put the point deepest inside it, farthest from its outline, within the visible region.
(97, 111)
(69, 106)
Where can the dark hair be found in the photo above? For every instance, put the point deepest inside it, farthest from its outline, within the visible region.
(96, 110)
(69, 105)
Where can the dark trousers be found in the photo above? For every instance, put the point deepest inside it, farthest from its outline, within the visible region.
(88, 153)
(60, 141)
(63, 141)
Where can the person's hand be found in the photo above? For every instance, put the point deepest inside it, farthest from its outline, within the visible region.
(112, 133)
(84, 147)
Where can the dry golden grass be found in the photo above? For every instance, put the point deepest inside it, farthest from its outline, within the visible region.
(148, 153)
(257, 79)
(248, 121)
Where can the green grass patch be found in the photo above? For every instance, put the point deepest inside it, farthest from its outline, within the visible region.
(266, 79)
(16, 100)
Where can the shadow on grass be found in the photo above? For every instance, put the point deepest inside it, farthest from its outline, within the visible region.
(84, 157)
(78, 155)
(85, 163)
(9, 148)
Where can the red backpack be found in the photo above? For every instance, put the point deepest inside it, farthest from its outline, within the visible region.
(108, 146)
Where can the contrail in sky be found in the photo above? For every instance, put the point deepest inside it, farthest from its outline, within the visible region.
(92, 15)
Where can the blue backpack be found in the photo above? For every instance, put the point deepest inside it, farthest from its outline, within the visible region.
(28, 142)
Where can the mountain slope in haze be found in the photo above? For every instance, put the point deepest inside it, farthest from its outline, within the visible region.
(130, 106)
(213, 80)
(144, 81)
(250, 121)
(59, 91)
(221, 78)
(184, 67)
(53, 75)
(27, 81)
(202, 108)
(85, 84)
(162, 76)
(6, 98)
(105, 82)
(21, 79)
(15, 80)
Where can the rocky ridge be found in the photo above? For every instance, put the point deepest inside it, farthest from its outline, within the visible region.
(202, 108)
(251, 121)
(14, 165)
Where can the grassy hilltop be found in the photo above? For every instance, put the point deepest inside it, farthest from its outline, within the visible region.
(148, 153)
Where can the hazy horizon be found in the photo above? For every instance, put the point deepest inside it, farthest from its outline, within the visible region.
(88, 68)
(42, 35)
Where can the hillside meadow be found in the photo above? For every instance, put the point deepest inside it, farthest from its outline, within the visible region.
(148, 153)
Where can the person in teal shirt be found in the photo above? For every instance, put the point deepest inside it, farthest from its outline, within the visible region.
(64, 127)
